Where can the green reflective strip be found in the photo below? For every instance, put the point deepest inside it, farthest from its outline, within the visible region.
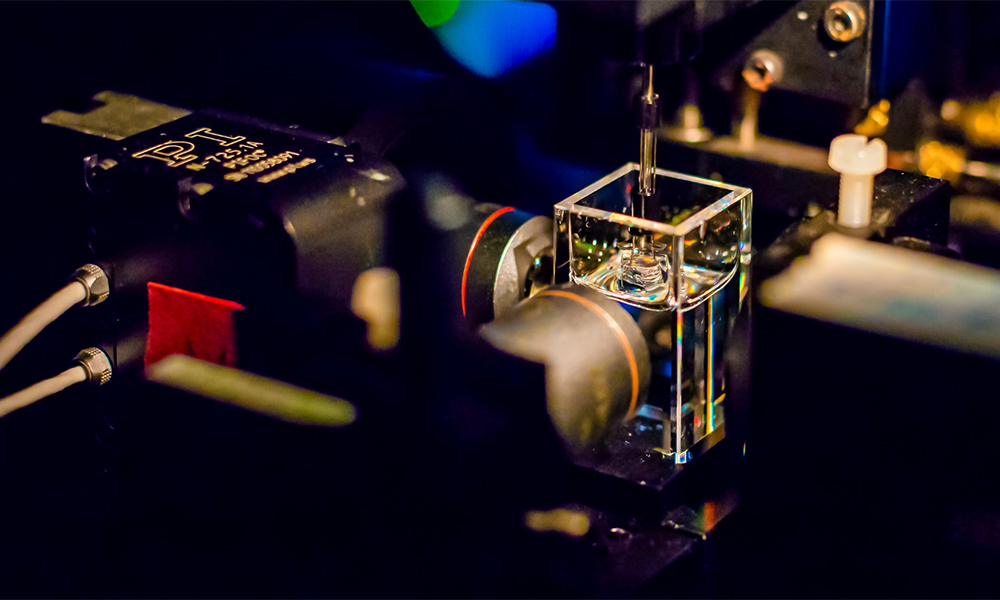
(260, 394)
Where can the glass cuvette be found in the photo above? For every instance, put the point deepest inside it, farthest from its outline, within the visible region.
(680, 259)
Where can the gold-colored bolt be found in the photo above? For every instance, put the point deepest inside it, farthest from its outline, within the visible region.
(980, 121)
(941, 161)
(876, 122)
(844, 21)
(951, 110)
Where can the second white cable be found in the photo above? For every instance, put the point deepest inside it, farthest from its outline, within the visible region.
(42, 389)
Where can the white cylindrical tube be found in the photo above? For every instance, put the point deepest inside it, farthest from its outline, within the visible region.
(855, 208)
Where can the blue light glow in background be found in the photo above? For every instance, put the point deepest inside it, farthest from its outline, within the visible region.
(491, 37)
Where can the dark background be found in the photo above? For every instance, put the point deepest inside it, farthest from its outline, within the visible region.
(79, 518)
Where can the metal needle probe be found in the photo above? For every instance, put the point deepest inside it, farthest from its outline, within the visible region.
(648, 109)
(649, 121)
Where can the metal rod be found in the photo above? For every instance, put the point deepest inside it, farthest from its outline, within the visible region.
(649, 120)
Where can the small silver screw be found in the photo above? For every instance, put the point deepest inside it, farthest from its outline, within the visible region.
(844, 21)
(762, 69)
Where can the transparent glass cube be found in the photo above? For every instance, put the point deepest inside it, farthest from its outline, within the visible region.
(679, 257)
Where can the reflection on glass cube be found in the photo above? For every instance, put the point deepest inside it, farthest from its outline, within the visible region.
(681, 256)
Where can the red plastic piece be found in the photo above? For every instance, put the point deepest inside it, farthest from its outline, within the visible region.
(183, 322)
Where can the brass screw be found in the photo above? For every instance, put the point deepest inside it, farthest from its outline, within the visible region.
(979, 120)
(876, 122)
(941, 161)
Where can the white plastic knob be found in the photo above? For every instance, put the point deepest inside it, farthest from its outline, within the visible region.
(858, 161)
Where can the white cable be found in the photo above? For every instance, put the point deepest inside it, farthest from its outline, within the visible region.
(38, 319)
(90, 286)
(42, 389)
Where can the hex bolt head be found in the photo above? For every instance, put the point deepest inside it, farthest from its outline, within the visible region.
(762, 69)
(844, 21)
(96, 282)
(97, 365)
